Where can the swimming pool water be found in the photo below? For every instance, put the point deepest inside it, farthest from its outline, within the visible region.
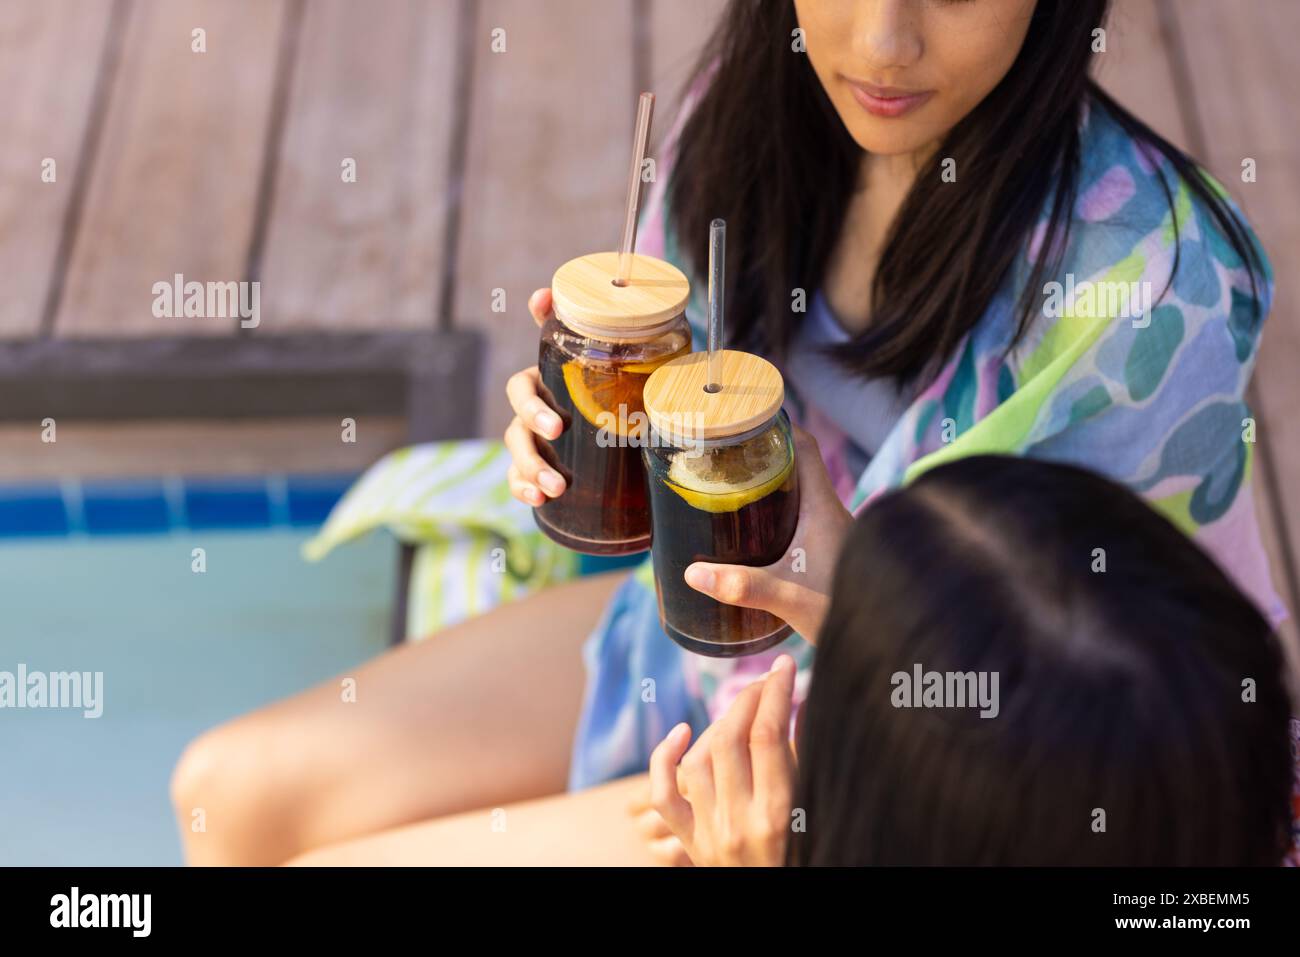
(180, 651)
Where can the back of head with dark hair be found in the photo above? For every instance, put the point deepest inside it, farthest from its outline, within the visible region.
(1125, 731)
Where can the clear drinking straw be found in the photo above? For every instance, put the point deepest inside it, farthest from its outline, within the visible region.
(717, 272)
(644, 110)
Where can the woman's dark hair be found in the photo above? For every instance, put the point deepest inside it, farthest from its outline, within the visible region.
(765, 150)
(1123, 655)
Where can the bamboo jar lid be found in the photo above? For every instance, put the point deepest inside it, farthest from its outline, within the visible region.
(584, 293)
(679, 408)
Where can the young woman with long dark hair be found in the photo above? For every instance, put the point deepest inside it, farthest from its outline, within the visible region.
(952, 242)
(1066, 715)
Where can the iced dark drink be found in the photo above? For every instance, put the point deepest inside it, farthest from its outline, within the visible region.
(595, 358)
(727, 494)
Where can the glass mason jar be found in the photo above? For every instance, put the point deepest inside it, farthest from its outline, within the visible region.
(595, 357)
(723, 488)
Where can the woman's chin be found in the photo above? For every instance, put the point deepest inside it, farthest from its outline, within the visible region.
(889, 137)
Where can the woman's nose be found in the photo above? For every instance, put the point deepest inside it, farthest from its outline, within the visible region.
(887, 36)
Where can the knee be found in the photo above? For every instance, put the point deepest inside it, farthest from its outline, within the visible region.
(195, 773)
(217, 795)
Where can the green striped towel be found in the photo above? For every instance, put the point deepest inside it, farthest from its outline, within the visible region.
(477, 546)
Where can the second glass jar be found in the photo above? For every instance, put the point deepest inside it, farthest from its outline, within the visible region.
(731, 499)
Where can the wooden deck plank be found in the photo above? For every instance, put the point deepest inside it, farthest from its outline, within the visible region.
(379, 90)
(1273, 525)
(132, 449)
(50, 55)
(1235, 49)
(549, 138)
(175, 185)
(1239, 58)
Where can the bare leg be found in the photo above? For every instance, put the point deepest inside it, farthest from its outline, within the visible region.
(479, 715)
(592, 827)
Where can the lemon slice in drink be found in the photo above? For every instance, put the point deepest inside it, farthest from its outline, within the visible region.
(728, 479)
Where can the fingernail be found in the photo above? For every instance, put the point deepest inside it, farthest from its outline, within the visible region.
(534, 497)
(780, 663)
(547, 421)
(700, 578)
(550, 482)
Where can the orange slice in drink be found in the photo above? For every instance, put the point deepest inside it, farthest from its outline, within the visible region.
(610, 395)
(606, 399)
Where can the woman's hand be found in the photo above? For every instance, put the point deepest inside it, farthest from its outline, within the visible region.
(797, 587)
(727, 801)
(663, 844)
(532, 481)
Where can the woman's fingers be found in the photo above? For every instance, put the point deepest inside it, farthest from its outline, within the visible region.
(665, 846)
(665, 795)
(531, 468)
(799, 600)
(529, 472)
(820, 508)
(651, 825)
(769, 736)
(669, 852)
(745, 586)
(531, 480)
(729, 747)
(540, 305)
(526, 492)
(531, 408)
(808, 456)
(722, 807)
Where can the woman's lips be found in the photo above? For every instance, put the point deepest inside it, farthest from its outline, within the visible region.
(887, 101)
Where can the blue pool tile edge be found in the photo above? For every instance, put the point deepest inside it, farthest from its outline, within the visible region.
(160, 505)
